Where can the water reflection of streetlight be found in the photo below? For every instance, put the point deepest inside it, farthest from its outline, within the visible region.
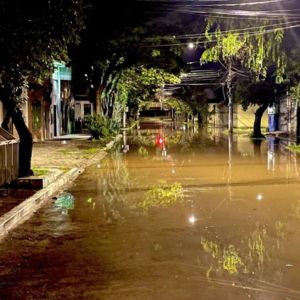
(259, 197)
(192, 219)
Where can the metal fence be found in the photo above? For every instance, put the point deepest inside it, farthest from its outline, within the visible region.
(9, 157)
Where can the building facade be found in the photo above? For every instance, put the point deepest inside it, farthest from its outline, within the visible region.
(62, 110)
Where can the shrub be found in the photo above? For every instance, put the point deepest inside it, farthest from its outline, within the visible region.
(100, 126)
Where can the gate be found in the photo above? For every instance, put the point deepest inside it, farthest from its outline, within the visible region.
(9, 157)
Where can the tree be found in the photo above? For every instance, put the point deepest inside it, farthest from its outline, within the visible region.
(139, 85)
(133, 39)
(254, 49)
(178, 106)
(33, 34)
(104, 74)
(262, 93)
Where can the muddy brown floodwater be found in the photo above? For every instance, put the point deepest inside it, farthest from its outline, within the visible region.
(170, 215)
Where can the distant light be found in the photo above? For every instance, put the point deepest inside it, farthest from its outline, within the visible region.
(259, 197)
(191, 45)
(192, 219)
(173, 171)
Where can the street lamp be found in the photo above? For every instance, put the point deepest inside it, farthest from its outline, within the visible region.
(191, 45)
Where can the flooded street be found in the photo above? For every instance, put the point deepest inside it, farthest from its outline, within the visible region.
(171, 214)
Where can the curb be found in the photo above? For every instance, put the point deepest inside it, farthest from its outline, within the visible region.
(28, 207)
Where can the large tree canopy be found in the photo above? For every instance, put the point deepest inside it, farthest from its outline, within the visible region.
(33, 34)
(131, 40)
(254, 49)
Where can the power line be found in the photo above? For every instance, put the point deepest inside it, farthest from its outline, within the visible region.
(297, 25)
(241, 4)
(238, 30)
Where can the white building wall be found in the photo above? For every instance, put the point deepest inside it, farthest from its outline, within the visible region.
(288, 115)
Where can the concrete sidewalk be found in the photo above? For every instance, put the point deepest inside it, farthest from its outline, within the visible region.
(67, 159)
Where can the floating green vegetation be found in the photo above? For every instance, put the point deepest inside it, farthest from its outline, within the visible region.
(295, 148)
(257, 249)
(227, 259)
(231, 260)
(163, 195)
(143, 151)
(210, 247)
(40, 171)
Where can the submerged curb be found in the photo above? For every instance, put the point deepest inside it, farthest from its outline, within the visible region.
(28, 207)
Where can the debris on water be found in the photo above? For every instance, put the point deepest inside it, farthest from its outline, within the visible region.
(157, 247)
(289, 265)
(65, 201)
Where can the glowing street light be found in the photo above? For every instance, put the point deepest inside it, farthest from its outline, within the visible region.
(191, 45)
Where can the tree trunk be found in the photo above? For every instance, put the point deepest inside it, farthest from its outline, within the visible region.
(257, 121)
(26, 142)
(5, 122)
(200, 120)
(98, 105)
(186, 117)
(173, 114)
